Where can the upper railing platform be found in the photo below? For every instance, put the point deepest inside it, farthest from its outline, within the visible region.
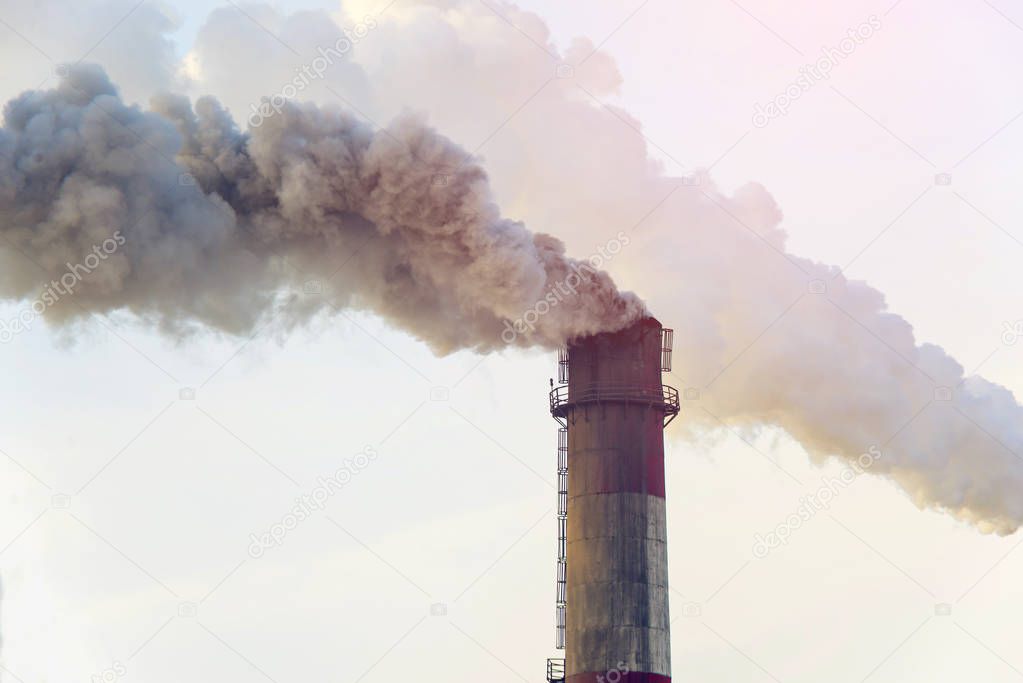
(664, 399)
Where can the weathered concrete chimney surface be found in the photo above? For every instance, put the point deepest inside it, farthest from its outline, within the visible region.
(617, 560)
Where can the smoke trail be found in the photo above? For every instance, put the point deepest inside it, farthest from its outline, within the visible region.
(398, 222)
(769, 338)
(199, 224)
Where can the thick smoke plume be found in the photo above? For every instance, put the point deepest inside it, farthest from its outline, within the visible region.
(197, 223)
(401, 222)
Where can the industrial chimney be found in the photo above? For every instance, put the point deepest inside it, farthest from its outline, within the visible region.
(612, 587)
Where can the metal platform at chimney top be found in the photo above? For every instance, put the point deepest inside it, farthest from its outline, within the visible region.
(665, 399)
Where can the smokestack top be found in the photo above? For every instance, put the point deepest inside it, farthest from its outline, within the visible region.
(631, 356)
(617, 367)
(623, 336)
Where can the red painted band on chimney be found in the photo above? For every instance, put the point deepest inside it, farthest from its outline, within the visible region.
(625, 473)
(631, 677)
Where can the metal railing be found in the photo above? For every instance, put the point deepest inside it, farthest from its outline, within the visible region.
(667, 338)
(555, 670)
(664, 398)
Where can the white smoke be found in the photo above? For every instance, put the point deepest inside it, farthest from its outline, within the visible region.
(771, 339)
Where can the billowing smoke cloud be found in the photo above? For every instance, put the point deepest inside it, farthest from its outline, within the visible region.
(766, 337)
(177, 216)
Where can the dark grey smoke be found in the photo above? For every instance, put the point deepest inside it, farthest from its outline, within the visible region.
(194, 223)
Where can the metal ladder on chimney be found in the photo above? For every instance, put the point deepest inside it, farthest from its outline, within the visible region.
(562, 571)
(556, 667)
(562, 575)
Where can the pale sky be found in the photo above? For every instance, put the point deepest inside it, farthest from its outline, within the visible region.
(137, 468)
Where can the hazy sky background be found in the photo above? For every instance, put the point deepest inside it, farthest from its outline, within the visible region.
(127, 510)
